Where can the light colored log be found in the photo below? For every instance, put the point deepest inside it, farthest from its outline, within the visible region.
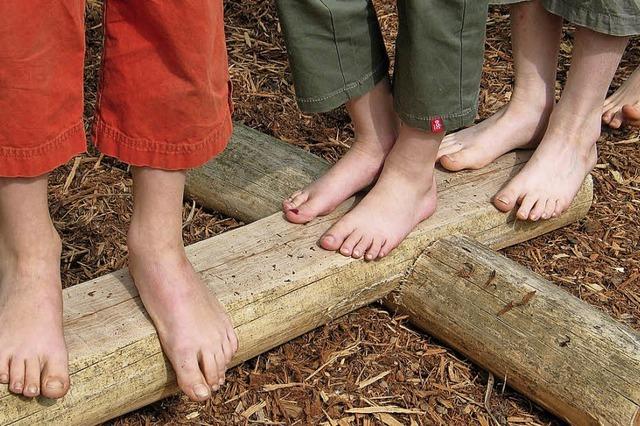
(559, 351)
(274, 281)
(254, 171)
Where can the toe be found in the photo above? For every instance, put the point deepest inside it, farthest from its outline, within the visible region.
(506, 199)
(616, 121)
(16, 375)
(538, 210)
(190, 378)
(306, 211)
(607, 116)
(232, 338)
(561, 206)
(332, 240)
(55, 377)
(4, 369)
(549, 208)
(362, 247)
(631, 114)
(296, 200)
(448, 149)
(525, 207)
(210, 369)
(374, 250)
(350, 243)
(32, 378)
(386, 248)
(459, 161)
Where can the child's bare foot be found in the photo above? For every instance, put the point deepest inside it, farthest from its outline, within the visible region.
(195, 332)
(404, 196)
(376, 129)
(623, 107)
(548, 183)
(33, 355)
(518, 125)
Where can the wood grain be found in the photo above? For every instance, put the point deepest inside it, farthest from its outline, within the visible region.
(559, 351)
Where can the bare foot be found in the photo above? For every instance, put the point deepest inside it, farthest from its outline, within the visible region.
(195, 332)
(549, 182)
(375, 128)
(518, 125)
(33, 355)
(623, 107)
(404, 196)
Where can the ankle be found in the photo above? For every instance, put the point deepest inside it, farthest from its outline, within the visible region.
(147, 238)
(526, 104)
(25, 248)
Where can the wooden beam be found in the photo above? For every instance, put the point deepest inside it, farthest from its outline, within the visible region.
(253, 175)
(559, 351)
(274, 281)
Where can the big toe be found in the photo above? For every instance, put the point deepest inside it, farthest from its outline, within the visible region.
(333, 239)
(457, 161)
(55, 378)
(506, 199)
(632, 114)
(305, 212)
(190, 378)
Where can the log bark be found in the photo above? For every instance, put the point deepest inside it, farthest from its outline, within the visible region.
(275, 283)
(559, 351)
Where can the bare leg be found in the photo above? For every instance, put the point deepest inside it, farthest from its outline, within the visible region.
(624, 105)
(404, 196)
(33, 355)
(376, 130)
(522, 122)
(195, 332)
(547, 184)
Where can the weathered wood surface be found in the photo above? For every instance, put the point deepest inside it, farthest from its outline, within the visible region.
(251, 173)
(274, 281)
(559, 351)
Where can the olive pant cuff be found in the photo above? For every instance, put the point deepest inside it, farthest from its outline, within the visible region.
(351, 90)
(452, 121)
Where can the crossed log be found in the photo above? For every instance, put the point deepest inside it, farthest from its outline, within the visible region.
(277, 284)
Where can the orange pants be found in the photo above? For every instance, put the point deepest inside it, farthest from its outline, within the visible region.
(164, 98)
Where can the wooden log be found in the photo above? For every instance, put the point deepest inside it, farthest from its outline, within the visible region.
(559, 351)
(254, 173)
(274, 281)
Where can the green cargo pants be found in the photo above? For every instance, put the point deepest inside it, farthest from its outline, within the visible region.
(337, 53)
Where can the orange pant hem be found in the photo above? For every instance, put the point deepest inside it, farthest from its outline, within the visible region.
(161, 155)
(36, 161)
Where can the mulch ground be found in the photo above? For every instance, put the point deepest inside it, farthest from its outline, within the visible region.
(368, 356)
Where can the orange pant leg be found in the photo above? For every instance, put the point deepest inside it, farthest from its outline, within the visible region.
(164, 97)
(41, 87)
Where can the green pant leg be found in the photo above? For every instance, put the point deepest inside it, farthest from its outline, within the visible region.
(439, 56)
(336, 50)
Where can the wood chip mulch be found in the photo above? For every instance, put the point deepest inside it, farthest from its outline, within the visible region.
(369, 367)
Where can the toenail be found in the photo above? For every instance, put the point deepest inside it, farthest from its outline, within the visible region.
(503, 200)
(17, 387)
(356, 253)
(55, 385)
(201, 391)
(221, 382)
(534, 217)
(4, 378)
(33, 389)
(450, 159)
(294, 211)
(215, 388)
